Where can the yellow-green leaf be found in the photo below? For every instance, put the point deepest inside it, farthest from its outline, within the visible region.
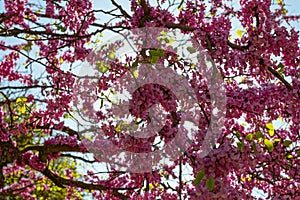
(102, 67)
(180, 5)
(243, 179)
(111, 55)
(23, 109)
(269, 144)
(280, 118)
(21, 100)
(276, 141)
(239, 33)
(249, 137)
(284, 11)
(163, 32)
(170, 41)
(135, 74)
(271, 132)
(270, 128)
(87, 136)
(150, 186)
(118, 129)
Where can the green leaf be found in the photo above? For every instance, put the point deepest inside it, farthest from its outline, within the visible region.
(258, 135)
(155, 55)
(160, 52)
(157, 52)
(135, 64)
(281, 68)
(134, 69)
(210, 183)
(249, 137)
(153, 59)
(199, 177)
(102, 67)
(63, 28)
(254, 147)
(269, 144)
(191, 49)
(27, 47)
(287, 143)
(284, 11)
(60, 27)
(240, 146)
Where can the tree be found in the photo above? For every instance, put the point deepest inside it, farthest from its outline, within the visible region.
(44, 156)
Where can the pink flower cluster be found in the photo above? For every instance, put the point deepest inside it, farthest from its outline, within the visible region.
(62, 140)
(34, 161)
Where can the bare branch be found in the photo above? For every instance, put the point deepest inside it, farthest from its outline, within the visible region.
(121, 9)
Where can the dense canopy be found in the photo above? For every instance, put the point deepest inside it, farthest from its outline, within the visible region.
(254, 46)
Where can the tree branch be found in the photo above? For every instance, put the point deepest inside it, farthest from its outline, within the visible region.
(52, 149)
(61, 182)
(121, 9)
